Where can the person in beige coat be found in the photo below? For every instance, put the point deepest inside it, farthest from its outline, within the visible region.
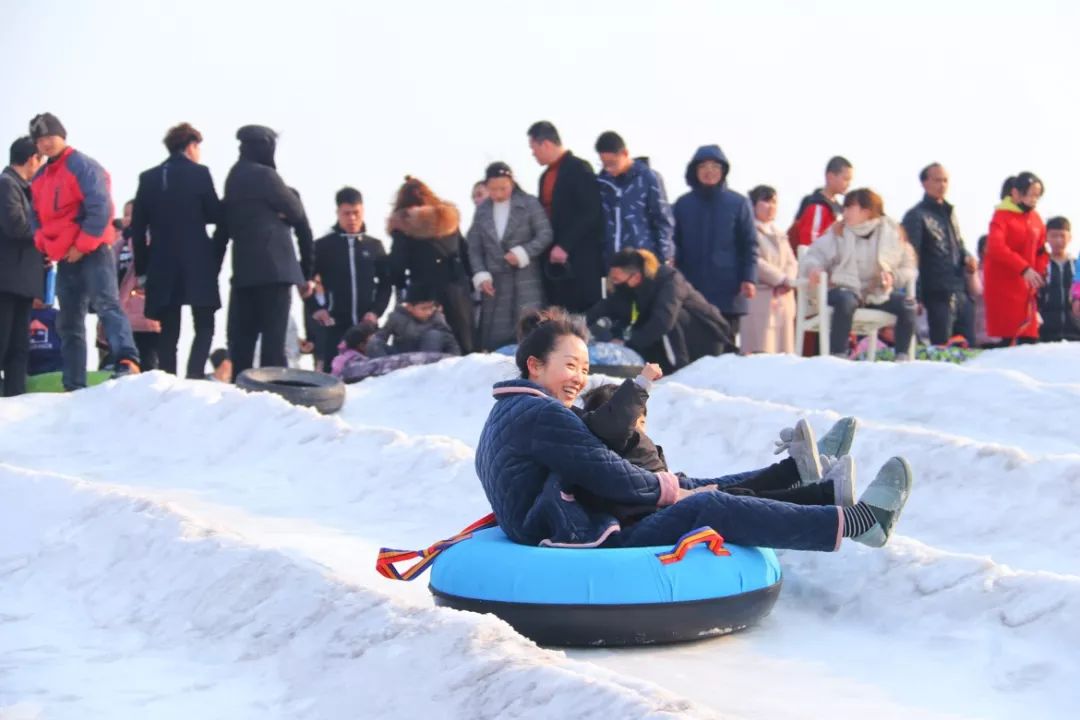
(870, 263)
(769, 325)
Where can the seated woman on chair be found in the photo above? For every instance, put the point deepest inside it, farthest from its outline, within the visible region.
(869, 262)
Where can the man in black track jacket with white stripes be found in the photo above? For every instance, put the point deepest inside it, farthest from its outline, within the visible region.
(354, 270)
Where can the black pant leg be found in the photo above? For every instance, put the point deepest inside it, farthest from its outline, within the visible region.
(816, 494)
(964, 317)
(273, 313)
(903, 308)
(844, 303)
(147, 345)
(457, 307)
(203, 318)
(329, 338)
(939, 316)
(778, 476)
(14, 342)
(7, 326)
(243, 328)
(169, 337)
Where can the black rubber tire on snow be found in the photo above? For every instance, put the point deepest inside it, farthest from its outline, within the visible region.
(323, 392)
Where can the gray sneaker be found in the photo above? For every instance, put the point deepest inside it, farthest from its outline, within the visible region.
(886, 497)
(802, 448)
(841, 473)
(837, 441)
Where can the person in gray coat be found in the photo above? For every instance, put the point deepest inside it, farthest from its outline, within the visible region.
(509, 233)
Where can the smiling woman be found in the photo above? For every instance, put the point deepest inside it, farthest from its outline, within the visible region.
(551, 482)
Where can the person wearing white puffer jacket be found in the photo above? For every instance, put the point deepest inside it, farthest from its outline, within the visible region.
(870, 263)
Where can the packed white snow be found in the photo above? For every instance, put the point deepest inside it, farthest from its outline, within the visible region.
(173, 549)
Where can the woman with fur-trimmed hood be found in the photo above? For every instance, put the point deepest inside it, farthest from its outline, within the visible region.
(428, 248)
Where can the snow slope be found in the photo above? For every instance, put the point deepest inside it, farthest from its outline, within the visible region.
(221, 563)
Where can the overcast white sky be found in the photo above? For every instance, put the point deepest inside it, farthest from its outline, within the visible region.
(365, 92)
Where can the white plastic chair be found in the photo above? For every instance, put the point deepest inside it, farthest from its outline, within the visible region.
(816, 317)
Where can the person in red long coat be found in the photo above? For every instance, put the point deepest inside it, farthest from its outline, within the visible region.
(1015, 264)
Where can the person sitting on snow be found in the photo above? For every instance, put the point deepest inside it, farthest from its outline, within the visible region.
(352, 365)
(416, 325)
(551, 482)
(617, 415)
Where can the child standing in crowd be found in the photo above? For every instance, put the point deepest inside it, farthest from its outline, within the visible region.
(133, 297)
(353, 364)
(416, 325)
(617, 415)
(223, 369)
(1055, 298)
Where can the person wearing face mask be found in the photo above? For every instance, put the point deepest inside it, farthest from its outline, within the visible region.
(1016, 262)
(715, 238)
(659, 313)
(869, 263)
(509, 233)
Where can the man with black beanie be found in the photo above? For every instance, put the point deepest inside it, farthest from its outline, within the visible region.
(21, 265)
(260, 214)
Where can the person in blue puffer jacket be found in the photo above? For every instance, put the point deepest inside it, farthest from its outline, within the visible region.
(715, 236)
(636, 210)
(536, 455)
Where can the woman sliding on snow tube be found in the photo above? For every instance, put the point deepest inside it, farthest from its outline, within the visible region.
(549, 479)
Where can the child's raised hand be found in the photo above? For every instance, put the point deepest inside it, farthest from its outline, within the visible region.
(652, 372)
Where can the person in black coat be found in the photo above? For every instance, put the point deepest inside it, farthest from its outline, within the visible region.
(944, 264)
(260, 214)
(574, 266)
(354, 270)
(174, 257)
(21, 265)
(429, 250)
(675, 325)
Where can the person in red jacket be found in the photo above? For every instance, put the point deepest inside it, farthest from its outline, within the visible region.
(820, 209)
(72, 221)
(1015, 263)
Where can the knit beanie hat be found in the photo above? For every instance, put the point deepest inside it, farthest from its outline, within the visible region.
(46, 124)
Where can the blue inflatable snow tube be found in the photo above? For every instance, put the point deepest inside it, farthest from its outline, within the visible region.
(607, 597)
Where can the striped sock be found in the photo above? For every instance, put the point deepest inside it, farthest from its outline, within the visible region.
(858, 519)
